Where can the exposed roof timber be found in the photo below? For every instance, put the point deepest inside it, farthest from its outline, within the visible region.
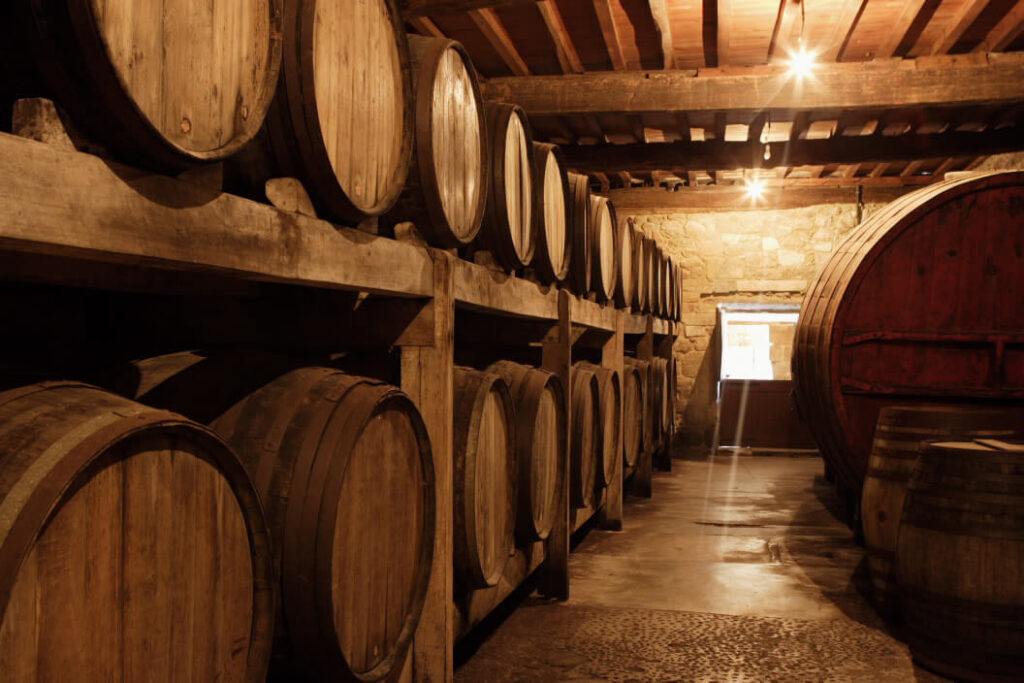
(779, 195)
(426, 27)
(719, 155)
(724, 23)
(422, 8)
(1005, 32)
(879, 170)
(659, 12)
(937, 81)
(610, 32)
(603, 180)
(709, 32)
(964, 17)
(756, 128)
(841, 28)
(785, 31)
(900, 27)
(490, 25)
(568, 57)
(683, 124)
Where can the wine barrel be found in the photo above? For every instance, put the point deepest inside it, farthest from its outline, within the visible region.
(609, 418)
(344, 468)
(551, 213)
(509, 231)
(579, 218)
(660, 405)
(640, 267)
(446, 192)
(901, 432)
(643, 369)
(632, 415)
(625, 284)
(541, 445)
(890, 321)
(679, 293)
(124, 525)
(342, 118)
(651, 304)
(485, 477)
(959, 556)
(163, 85)
(605, 250)
(586, 438)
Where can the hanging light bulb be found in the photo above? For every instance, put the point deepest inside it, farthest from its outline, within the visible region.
(801, 62)
(767, 152)
(755, 189)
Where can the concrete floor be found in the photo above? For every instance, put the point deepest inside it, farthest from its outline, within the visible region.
(736, 570)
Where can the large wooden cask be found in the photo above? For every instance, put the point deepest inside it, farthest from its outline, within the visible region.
(342, 119)
(551, 213)
(640, 268)
(625, 283)
(609, 416)
(579, 219)
(509, 231)
(132, 544)
(959, 559)
(919, 303)
(446, 192)
(632, 414)
(899, 437)
(661, 408)
(163, 84)
(541, 440)
(605, 249)
(643, 370)
(586, 439)
(486, 476)
(344, 469)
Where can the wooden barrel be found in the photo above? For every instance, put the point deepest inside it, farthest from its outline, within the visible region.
(609, 417)
(165, 85)
(604, 249)
(342, 119)
(344, 468)
(679, 293)
(541, 445)
(446, 192)
(486, 474)
(889, 321)
(509, 230)
(632, 414)
(671, 288)
(625, 240)
(132, 542)
(661, 403)
(651, 303)
(643, 369)
(551, 213)
(579, 218)
(586, 438)
(901, 432)
(640, 268)
(959, 556)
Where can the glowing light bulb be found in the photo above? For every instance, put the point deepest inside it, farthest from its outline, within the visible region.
(801, 62)
(755, 189)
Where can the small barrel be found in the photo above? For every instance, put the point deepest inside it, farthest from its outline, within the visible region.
(342, 118)
(959, 556)
(660, 406)
(446, 192)
(164, 85)
(486, 474)
(643, 369)
(604, 249)
(541, 445)
(901, 432)
(124, 525)
(509, 231)
(586, 438)
(632, 414)
(640, 267)
(344, 469)
(579, 217)
(551, 213)
(625, 239)
(609, 417)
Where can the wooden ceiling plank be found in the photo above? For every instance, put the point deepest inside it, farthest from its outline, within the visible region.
(659, 12)
(490, 25)
(610, 32)
(785, 32)
(725, 24)
(899, 28)
(1004, 32)
(426, 27)
(964, 17)
(568, 57)
(935, 81)
(842, 27)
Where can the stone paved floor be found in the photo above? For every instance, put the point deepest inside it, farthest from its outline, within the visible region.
(736, 570)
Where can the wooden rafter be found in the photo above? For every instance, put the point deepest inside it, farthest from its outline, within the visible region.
(1005, 32)
(611, 33)
(899, 28)
(842, 25)
(785, 32)
(426, 27)
(964, 17)
(568, 57)
(659, 12)
(683, 126)
(879, 170)
(724, 18)
(490, 25)
(422, 8)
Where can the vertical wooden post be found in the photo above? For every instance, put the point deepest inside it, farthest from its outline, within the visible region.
(427, 378)
(645, 462)
(557, 358)
(612, 357)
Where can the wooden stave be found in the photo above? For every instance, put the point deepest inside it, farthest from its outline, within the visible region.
(471, 390)
(69, 62)
(525, 385)
(624, 240)
(605, 267)
(651, 301)
(640, 265)
(659, 400)
(495, 234)
(964, 505)
(103, 422)
(420, 201)
(633, 421)
(643, 368)
(549, 272)
(579, 218)
(902, 432)
(582, 461)
(238, 395)
(610, 413)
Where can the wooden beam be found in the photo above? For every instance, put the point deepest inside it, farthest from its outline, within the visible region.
(724, 17)
(899, 28)
(756, 128)
(683, 126)
(637, 128)
(426, 27)
(610, 32)
(911, 168)
(935, 81)
(1005, 32)
(734, 198)
(720, 155)
(568, 58)
(959, 23)
(783, 35)
(659, 11)
(842, 25)
(709, 32)
(879, 170)
(422, 8)
(490, 25)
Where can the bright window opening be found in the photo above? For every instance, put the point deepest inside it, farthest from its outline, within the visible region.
(757, 340)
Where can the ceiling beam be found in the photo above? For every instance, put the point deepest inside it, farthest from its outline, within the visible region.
(610, 32)
(659, 12)
(422, 8)
(568, 57)
(964, 17)
(426, 27)
(724, 22)
(899, 28)
(1005, 32)
(843, 24)
(779, 195)
(490, 25)
(719, 155)
(939, 81)
(785, 32)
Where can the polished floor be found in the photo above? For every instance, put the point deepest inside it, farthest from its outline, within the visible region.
(736, 570)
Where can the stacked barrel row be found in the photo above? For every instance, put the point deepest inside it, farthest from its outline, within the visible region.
(373, 123)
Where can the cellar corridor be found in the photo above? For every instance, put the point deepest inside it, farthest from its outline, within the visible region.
(737, 569)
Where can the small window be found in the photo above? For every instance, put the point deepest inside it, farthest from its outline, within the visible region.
(757, 340)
